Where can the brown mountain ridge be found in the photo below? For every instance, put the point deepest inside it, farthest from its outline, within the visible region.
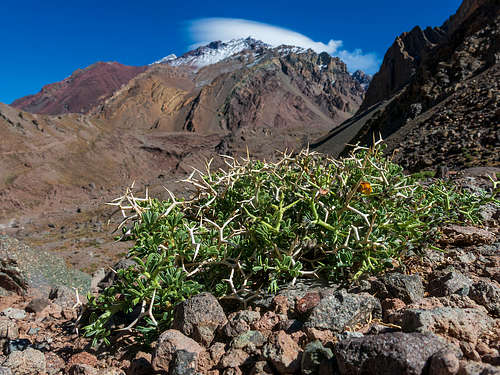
(436, 97)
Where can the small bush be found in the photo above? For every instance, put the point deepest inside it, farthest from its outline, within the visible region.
(259, 225)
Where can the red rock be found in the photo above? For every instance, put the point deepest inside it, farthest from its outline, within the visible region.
(267, 322)
(307, 303)
(283, 352)
(84, 89)
(82, 358)
(234, 358)
(216, 351)
(325, 336)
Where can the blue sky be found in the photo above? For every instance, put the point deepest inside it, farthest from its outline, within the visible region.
(45, 41)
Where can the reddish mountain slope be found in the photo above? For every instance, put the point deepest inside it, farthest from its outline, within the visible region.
(78, 93)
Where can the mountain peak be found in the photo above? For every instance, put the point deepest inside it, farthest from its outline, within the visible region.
(213, 52)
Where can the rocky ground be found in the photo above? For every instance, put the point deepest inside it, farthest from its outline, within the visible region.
(438, 313)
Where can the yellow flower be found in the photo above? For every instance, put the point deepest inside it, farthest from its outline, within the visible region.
(365, 188)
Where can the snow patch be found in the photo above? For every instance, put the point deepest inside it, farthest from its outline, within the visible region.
(213, 53)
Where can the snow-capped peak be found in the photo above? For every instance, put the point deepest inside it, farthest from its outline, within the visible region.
(166, 59)
(213, 52)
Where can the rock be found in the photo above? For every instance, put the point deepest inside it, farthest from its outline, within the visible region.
(97, 277)
(82, 358)
(462, 324)
(5, 371)
(168, 343)
(314, 354)
(33, 331)
(400, 63)
(79, 369)
(17, 345)
(249, 341)
(490, 212)
(388, 353)
(63, 296)
(240, 322)
(234, 358)
(466, 236)
(110, 371)
(342, 310)
(232, 371)
(29, 361)
(391, 306)
(493, 360)
(476, 368)
(487, 294)
(12, 279)
(140, 366)
(408, 288)
(452, 282)
(13, 313)
(296, 292)
(199, 317)
(280, 304)
(216, 351)
(184, 363)
(325, 336)
(290, 326)
(307, 303)
(37, 305)
(348, 335)
(268, 321)
(469, 351)
(283, 353)
(444, 362)
(8, 329)
(261, 368)
(205, 362)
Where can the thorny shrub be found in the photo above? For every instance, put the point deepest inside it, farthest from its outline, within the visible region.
(258, 225)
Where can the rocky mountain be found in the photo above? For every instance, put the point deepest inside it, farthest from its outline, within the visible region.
(214, 52)
(435, 98)
(363, 78)
(81, 91)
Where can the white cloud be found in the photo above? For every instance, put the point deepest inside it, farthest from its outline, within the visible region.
(369, 62)
(206, 30)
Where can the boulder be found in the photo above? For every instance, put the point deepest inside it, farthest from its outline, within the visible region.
(199, 317)
(314, 356)
(389, 353)
(342, 310)
(283, 353)
(184, 363)
(444, 362)
(8, 329)
(408, 288)
(462, 324)
(487, 294)
(168, 344)
(240, 322)
(26, 362)
(452, 282)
